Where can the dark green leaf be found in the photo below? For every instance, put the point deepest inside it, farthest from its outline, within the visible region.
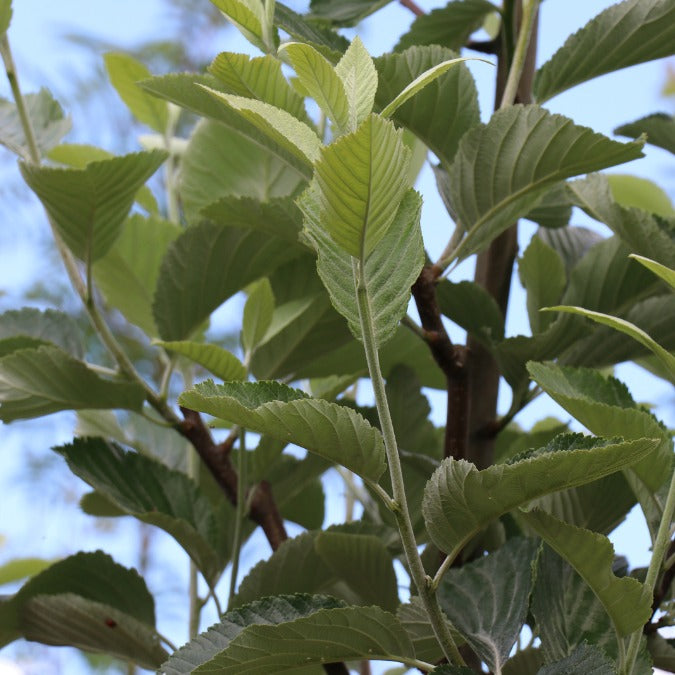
(571, 243)
(585, 659)
(526, 661)
(659, 127)
(630, 32)
(50, 326)
(344, 13)
(554, 209)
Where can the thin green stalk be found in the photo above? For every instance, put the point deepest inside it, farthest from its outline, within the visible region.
(659, 551)
(242, 480)
(520, 53)
(400, 503)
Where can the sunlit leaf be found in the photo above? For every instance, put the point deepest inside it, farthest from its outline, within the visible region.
(667, 274)
(247, 16)
(357, 72)
(634, 191)
(20, 568)
(223, 364)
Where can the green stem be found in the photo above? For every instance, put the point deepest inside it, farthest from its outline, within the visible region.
(193, 589)
(659, 551)
(240, 514)
(520, 53)
(400, 503)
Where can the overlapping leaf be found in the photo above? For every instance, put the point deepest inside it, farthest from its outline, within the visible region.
(331, 431)
(667, 274)
(344, 13)
(659, 127)
(50, 326)
(88, 206)
(389, 271)
(585, 659)
(358, 75)
(630, 32)
(634, 191)
(503, 168)
(455, 499)
(40, 381)
(223, 364)
(247, 16)
(258, 312)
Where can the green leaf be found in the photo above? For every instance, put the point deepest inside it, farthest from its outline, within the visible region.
(223, 364)
(247, 16)
(259, 78)
(571, 243)
(319, 79)
(124, 72)
(662, 271)
(327, 429)
(662, 651)
(542, 273)
(625, 599)
(448, 26)
(5, 15)
(554, 209)
(205, 266)
(326, 636)
(344, 12)
(390, 270)
(220, 162)
(88, 206)
(49, 123)
(20, 568)
(127, 274)
(441, 113)
(659, 127)
(144, 488)
(270, 611)
(38, 382)
(630, 32)
(487, 600)
(284, 129)
(455, 504)
(70, 602)
(360, 182)
(357, 72)
(489, 194)
(585, 659)
(641, 193)
(604, 406)
(626, 327)
(50, 326)
(526, 661)
(258, 312)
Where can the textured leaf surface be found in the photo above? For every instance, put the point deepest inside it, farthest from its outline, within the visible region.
(269, 611)
(247, 16)
(326, 636)
(630, 32)
(332, 431)
(360, 181)
(585, 659)
(625, 599)
(124, 72)
(503, 168)
(487, 600)
(223, 364)
(344, 12)
(145, 488)
(441, 113)
(659, 127)
(390, 270)
(37, 382)
(88, 206)
(205, 266)
(455, 499)
(448, 26)
(49, 326)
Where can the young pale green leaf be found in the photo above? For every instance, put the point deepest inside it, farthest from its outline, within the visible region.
(50, 326)
(247, 16)
(258, 312)
(630, 32)
(206, 265)
(319, 79)
(448, 26)
(37, 382)
(604, 406)
(361, 180)
(124, 72)
(455, 504)
(442, 112)
(344, 12)
(667, 274)
(487, 600)
(502, 169)
(146, 489)
(260, 78)
(223, 364)
(88, 206)
(20, 568)
(270, 611)
(542, 273)
(332, 431)
(585, 659)
(326, 636)
(659, 127)
(5, 15)
(389, 273)
(625, 599)
(49, 123)
(280, 126)
(127, 274)
(633, 191)
(626, 327)
(357, 72)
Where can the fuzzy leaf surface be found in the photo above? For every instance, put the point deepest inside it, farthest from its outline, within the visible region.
(585, 659)
(357, 72)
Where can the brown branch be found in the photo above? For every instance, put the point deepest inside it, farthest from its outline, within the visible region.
(412, 6)
(483, 46)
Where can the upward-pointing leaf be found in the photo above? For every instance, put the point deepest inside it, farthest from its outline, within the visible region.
(667, 274)
(456, 504)
(623, 35)
(335, 432)
(247, 16)
(503, 168)
(361, 180)
(359, 77)
(88, 206)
